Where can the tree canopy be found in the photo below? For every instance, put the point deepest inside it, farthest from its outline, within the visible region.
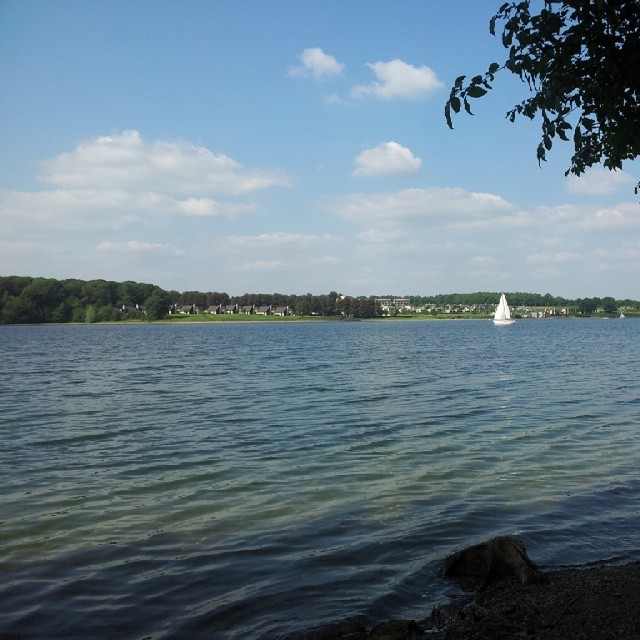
(581, 61)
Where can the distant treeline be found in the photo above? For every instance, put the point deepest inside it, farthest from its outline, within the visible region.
(516, 299)
(32, 300)
(25, 300)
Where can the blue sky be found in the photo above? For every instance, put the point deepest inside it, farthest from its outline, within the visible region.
(292, 146)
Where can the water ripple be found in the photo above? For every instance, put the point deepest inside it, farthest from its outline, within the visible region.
(248, 481)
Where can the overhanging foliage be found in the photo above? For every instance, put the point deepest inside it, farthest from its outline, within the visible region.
(581, 62)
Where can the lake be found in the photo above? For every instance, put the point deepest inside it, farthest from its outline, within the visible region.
(256, 480)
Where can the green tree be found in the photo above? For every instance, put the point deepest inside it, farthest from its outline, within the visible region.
(587, 306)
(127, 294)
(44, 295)
(100, 293)
(303, 306)
(157, 305)
(194, 298)
(78, 314)
(62, 313)
(18, 310)
(580, 60)
(90, 314)
(108, 313)
(13, 285)
(215, 298)
(609, 305)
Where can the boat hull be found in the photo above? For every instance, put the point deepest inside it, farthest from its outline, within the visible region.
(503, 322)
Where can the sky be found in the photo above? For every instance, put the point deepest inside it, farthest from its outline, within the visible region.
(294, 147)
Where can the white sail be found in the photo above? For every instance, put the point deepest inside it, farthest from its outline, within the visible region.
(503, 313)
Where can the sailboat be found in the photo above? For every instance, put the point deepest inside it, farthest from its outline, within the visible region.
(622, 316)
(502, 314)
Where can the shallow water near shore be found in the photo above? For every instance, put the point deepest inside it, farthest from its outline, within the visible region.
(255, 480)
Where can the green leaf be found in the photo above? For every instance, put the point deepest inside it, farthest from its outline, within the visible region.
(454, 101)
(577, 136)
(447, 114)
(493, 67)
(459, 81)
(476, 91)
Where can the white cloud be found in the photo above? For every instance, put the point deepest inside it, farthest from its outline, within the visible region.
(442, 204)
(263, 265)
(315, 62)
(387, 158)
(382, 237)
(81, 208)
(137, 247)
(599, 181)
(585, 217)
(278, 239)
(554, 257)
(625, 257)
(125, 161)
(335, 99)
(397, 79)
(326, 261)
(104, 208)
(205, 207)
(567, 218)
(484, 260)
(9, 247)
(114, 181)
(622, 216)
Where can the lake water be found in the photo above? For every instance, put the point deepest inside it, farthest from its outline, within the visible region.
(256, 480)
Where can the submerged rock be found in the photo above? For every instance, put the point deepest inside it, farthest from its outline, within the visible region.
(477, 566)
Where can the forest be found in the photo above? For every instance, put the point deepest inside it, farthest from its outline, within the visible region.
(29, 300)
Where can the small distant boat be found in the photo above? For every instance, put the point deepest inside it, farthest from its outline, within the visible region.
(622, 316)
(502, 315)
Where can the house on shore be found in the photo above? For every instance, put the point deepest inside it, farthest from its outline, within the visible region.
(216, 309)
(184, 310)
(282, 311)
(127, 310)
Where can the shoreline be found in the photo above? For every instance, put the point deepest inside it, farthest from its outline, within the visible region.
(596, 601)
(304, 320)
(240, 319)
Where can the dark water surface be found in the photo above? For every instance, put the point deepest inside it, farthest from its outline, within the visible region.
(254, 480)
